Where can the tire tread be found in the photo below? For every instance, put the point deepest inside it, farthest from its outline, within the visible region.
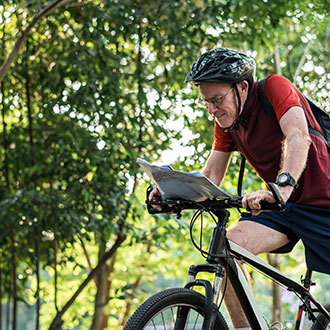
(149, 307)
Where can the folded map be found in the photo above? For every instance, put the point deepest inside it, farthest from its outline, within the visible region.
(174, 184)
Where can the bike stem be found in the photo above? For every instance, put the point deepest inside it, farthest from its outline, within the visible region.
(217, 247)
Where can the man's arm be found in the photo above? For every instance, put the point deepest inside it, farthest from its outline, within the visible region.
(294, 155)
(295, 145)
(216, 166)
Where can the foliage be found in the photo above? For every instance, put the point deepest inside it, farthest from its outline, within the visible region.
(98, 84)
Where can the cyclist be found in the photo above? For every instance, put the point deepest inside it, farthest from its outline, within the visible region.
(281, 150)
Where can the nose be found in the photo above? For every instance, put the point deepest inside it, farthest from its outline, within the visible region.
(211, 108)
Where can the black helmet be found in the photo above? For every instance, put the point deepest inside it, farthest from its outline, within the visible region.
(222, 65)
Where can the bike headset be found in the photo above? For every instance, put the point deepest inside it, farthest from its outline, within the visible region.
(224, 65)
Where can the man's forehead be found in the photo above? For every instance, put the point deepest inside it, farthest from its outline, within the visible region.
(208, 87)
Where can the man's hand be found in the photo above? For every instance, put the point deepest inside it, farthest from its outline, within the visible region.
(155, 196)
(253, 200)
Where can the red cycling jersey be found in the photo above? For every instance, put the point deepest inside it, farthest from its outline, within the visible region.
(260, 137)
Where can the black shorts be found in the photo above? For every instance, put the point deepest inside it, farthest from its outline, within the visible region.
(308, 223)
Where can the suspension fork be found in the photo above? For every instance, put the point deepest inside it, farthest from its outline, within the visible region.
(212, 294)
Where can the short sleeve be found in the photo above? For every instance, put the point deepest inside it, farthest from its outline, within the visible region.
(222, 141)
(281, 94)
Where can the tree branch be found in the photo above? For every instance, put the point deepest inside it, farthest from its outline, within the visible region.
(57, 321)
(301, 62)
(24, 34)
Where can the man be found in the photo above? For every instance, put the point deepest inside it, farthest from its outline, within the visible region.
(280, 149)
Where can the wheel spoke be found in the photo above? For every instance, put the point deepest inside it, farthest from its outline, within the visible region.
(162, 314)
(166, 319)
(197, 317)
(173, 318)
(153, 323)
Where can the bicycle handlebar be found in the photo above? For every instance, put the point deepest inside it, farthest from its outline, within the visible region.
(178, 205)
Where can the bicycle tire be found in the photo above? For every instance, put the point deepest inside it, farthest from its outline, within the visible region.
(160, 309)
(321, 322)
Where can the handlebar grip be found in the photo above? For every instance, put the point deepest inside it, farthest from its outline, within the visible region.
(264, 206)
(271, 206)
(279, 205)
(151, 210)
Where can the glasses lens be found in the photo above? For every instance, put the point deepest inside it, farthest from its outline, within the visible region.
(218, 100)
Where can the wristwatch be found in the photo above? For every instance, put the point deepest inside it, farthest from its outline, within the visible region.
(285, 179)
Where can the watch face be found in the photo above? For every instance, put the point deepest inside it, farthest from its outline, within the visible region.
(285, 179)
(282, 178)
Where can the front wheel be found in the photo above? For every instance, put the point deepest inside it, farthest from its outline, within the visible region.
(160, 311)
(321, 322)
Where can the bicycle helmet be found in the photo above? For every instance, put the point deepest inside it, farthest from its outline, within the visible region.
(228, 66)
(222, 65)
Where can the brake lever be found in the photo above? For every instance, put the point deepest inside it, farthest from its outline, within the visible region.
(277, 195)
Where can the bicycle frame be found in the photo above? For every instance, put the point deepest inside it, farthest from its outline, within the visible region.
(228, 253)
(244, 293)
(223, 255)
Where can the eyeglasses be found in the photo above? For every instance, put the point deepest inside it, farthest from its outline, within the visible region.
(216, 101)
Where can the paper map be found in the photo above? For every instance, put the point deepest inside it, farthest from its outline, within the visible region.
(174, 184)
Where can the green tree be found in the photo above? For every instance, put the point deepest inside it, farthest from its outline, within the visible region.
(96, 85)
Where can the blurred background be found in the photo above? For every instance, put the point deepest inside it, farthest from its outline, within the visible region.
(94, 85)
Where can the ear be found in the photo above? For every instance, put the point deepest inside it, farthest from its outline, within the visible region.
(243, 86)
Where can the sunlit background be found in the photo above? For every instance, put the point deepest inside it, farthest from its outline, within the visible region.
(95, 85)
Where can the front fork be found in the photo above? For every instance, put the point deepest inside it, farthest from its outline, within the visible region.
(212, 294)
(217, 249)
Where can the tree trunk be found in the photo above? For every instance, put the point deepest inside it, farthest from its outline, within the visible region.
(55, 271)
(127, 309)
(57, 321)
(33, 162)
(145, 256)
(1, 293)
(37, 252)
(8, 311)
(100, 319)
(6, 168)
(277, 60)
(4, 134)
(274, 260)
(301, 62)
(14, 275)
(50, 181)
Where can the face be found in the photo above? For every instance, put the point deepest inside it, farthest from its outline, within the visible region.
(221, 101)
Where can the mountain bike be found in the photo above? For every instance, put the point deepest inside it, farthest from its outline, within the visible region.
(185, 308)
